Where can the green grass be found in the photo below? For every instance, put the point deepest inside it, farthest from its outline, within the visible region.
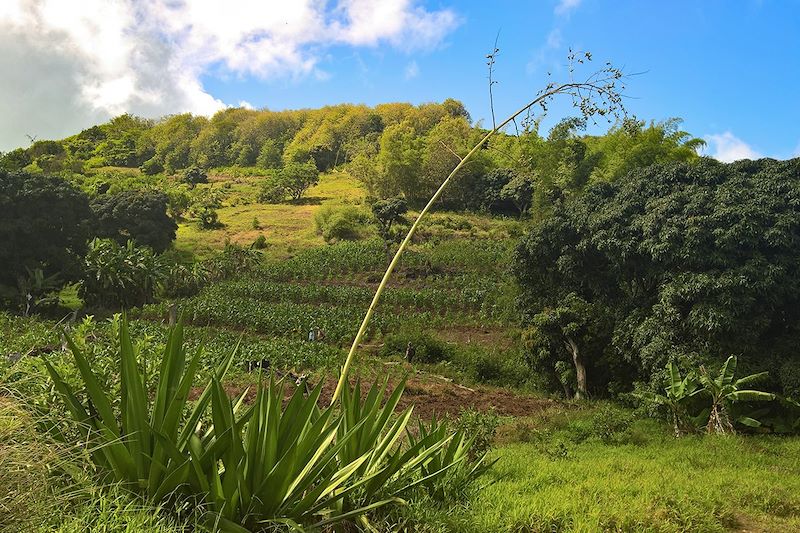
(46, 488)
(288, 227)
(650, 482)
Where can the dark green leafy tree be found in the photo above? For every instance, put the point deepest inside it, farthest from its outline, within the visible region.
(690, 260)
(140, 216)
(44, 224)
(388, 212)
(195, 175)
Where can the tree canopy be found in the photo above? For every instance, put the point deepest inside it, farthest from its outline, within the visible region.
(140, 216)
(44, 224)
(697, 261)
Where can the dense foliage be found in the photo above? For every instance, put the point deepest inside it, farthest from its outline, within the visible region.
(393, 149)
(140, 216)
(44, 224)
(695, 262)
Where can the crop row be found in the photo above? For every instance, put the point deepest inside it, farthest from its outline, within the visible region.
(473, 298)
(484, 257)
(216, 307)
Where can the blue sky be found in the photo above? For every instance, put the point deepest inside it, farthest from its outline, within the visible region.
(722, 66)
(728, 68)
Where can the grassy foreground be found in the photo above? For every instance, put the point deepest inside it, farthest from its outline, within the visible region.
(661, 484)
(554, 476)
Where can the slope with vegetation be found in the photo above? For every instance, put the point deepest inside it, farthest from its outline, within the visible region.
(618, 267)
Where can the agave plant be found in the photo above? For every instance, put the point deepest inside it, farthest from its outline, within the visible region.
(278, 465)
(678, 392)
(724, 390)
(454, 459)
(146, 444)
(394, 465)
(296, 465)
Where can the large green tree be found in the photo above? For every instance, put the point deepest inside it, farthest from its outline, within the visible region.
(696, 261)
(140, 216)
(44, 224)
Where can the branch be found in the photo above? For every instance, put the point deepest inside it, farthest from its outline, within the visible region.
(450, 150)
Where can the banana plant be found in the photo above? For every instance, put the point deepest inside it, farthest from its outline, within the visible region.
(677, 393)
(724, 390)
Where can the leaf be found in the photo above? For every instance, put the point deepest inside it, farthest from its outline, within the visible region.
(750, 396)
(727, 372)
(747, 421)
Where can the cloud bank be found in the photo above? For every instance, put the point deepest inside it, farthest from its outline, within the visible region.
(70, 63)
(726, 147)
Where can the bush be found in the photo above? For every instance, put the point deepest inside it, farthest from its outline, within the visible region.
(495, 368)
(208, 219)
(260, 243)
(337, 223)
(425, 347)
(151, 167)
(611, 424)
(194, 175)
(481, 427)
(272, 190)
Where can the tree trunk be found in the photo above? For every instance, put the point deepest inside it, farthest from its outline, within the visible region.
(580, 369)
(173, 314)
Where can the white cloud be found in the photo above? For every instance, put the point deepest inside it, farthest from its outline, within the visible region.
(245, 104)
(69, 63)
(412, 70)
(564, 7)
(796, 152)
(554, 38)
(726, 147)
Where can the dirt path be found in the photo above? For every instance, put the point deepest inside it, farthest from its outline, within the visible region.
(430, 395)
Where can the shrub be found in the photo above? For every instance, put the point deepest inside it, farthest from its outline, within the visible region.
(610, 423)
(272, 190)
(260, 243)
(207, 218)
(481, 426)
(337, 223)
(425, 347)
(151, 167)
(194, 175)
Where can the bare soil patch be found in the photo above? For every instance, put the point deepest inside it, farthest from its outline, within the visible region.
(429, 395)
